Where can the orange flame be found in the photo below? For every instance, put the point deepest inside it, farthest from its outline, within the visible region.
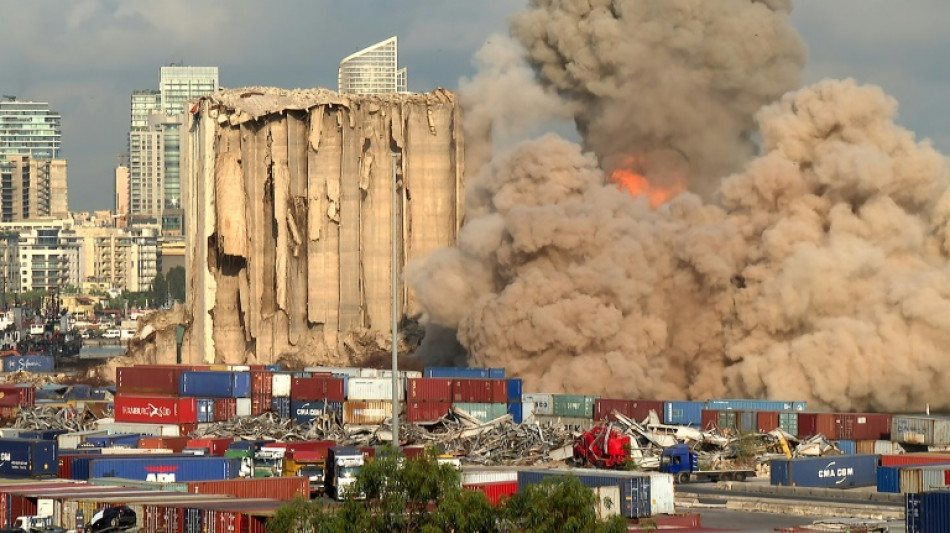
(638, 185)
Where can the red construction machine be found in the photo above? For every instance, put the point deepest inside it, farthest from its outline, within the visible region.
(604, 446)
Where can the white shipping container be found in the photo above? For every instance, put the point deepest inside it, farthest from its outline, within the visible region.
(571, 423)
(923, 479)
(239, 368)
(373, 389)
(158, 430)
(479, 477)
(608, 501)
(661, 493)
(402, 374)
(369, 373)
(541, 403)
(280, 385)
(71, 441)
(243, 407)
(349, 371)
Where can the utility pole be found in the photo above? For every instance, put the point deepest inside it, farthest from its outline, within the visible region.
(395, 302)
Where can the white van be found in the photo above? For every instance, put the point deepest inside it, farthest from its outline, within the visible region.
(112, 334)
(127, 334)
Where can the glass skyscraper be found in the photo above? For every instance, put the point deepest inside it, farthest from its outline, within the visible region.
(29, 128)
(373, 70)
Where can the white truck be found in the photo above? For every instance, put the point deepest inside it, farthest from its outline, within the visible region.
(33, 524)
(343, 462)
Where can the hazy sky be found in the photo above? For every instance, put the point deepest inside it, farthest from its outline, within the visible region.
(85, 57)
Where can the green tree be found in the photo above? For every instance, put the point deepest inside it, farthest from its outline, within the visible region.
(158, 294)
(176, 283)
(421, 495)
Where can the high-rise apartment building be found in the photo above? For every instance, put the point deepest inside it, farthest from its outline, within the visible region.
(32, 188)
(29, 128)
(154, 182)
(373, 70)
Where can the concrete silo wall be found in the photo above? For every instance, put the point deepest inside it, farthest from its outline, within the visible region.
(289, 219)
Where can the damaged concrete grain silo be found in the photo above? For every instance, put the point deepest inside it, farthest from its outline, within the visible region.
(289, 218)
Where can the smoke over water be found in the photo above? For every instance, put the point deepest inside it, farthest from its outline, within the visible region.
(816, 270)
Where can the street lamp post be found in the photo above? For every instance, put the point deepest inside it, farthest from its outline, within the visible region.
(395, 302)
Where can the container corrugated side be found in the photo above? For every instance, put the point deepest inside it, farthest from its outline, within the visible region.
(888, 479)
(541, 403)
(483, 412)
(574, 405)
(278, 488)
(494, 491)
(426, 411)
(168, 469)
(28, 458)
(856, 426)
(429, 390)
(920, 429)
(147, 380)
(516, 410)
(473, 477)
(479, 391)
(570, 423)
(923, 478)
(280, 386)
(878, 447)
(604, 408)
(457, 372)
(935, 512)
(838, 471)
(907, 459)
(788, 422)
(155, 409)
(29, 363)
(373, 389)
(144, 428)
(749, 404)
(349, 371)
(683, 413)
(303, 412)
(634, 489)
(366, 413)
(847, 447)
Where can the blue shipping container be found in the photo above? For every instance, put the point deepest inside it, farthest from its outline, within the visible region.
(303, 412)
(27, 458)
(458, 372)
(516, 410)
(205, 409)
(847, 447)
(124, 440)
(166, 469)
(28, 363)
(281, 406)
(514, 390)
(248, 444)
(496, 373)
(683, 413)
(927, 512)
(214, 384)
(634, 489)
(40, 434)
(889, 479)
(912, 513)
(720, 404)
(839, 471)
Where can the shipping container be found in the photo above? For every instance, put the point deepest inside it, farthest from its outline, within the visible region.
(514, 388)
(118, 440)
(878, 447)
(41, 434)
(923, 478)
(483, 412)
(262, 382)
(662, 501)
(634, 488)
(260, 404)
(417, 412)
(281, 406)
(224, 409)
(604, 407)
(211, 384)
(71, 441)
(373, 389)
(205, 407)
(428, 390)
(243, 407)
(569, 423)
(496, 492)
(908, 459)
(516, 410)
(147, 380)
(318, 388)
(488, 475)
(755, 405)
(215, 446)
(811, 424)
(788, 422)
(921, 429)
(303, 412)
(889, 479)
(175, 444)
(366, 413)
(766, 421)
(573, 405)
(347, 371)
(29, 363)
(144, 428)
(461, 372)
(847, 447)
(280, 386)
(155, 409)
(166, 469)
(12, 395)
(537, 404)
(278, 488)
(839, 471)
(683, 413)
(27, 458)
(479, 391)
(863, 426)
(928, 512)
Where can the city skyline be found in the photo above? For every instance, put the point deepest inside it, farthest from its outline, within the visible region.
(103, 51)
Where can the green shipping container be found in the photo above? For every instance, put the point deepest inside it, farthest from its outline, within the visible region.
(484, 412)
(788, 422)
(574, 405)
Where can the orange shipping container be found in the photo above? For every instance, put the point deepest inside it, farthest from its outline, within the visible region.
(175, 444)
(278, 488)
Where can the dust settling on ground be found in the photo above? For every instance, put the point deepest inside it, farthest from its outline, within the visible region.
(717, 233)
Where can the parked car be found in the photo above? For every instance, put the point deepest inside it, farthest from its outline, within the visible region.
(112, 519)
(112, 334)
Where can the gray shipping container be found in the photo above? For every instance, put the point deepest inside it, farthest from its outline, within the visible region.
(921, 429)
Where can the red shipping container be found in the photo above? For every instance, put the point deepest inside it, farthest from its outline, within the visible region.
(766, 421)
(155, 409)
(225, 409)
(864, 426)
(277, 488)
(147, 380)
(642, 408)
(15, 396)
(908, 459)
(811, 424)
(603, 407)
(426, 411)
(261, 404)
(175, 444)
(429, 390)
(317, 388)
(495, 491)
(9, 412)
(709, 419)
(262, 383)
(216, 446)
(479, 391)
(317, 446)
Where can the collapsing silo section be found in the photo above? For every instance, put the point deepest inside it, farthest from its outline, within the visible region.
(289, 220)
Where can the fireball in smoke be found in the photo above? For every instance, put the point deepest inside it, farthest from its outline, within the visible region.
(628, 174)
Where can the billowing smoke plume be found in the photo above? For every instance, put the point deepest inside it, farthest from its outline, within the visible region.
(819, 273)
(676, 82)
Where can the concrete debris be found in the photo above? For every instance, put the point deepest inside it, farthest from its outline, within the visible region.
(72, 419)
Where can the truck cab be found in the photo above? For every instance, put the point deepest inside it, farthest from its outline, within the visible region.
(33, 524)
(678, 458)
(269, 460)
(310, 464)
(343, 462)
(246, 451)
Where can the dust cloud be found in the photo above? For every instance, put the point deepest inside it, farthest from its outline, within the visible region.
(808, 260)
